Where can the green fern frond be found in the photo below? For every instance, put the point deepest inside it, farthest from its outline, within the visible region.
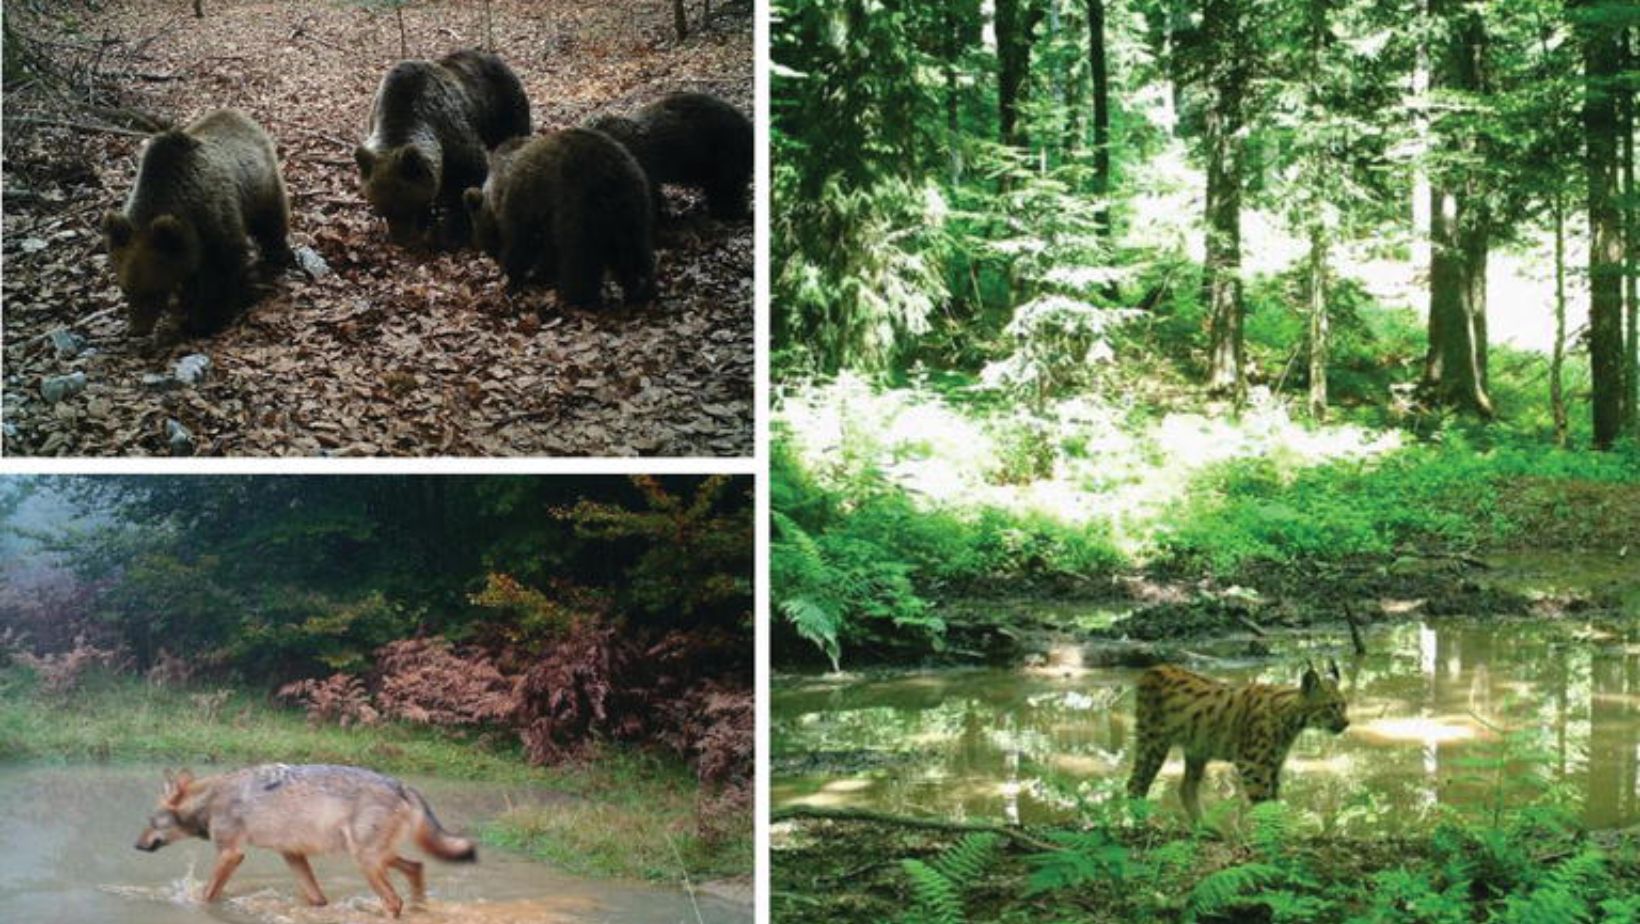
(965, 861)
(1228, 887)
(1272, 829)
(1088, 857)
(815, 623)
(937, 898)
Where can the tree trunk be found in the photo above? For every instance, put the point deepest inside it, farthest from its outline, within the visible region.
(1317, 168)
(1016, 21)
(1099, 69)
(1557, 359)
(1318, 322)
(404, 42)
(1223, 27)
(1601, 60)
(1455, 367)
(199, 9)
(953, 135)
(1421, 198)
(680, 19)
(1631, 253)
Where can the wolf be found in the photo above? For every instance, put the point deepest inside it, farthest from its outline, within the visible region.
(303, 810)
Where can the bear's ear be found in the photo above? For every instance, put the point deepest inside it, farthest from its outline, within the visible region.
(117, 229)
(413, 165)
(366, 159)
(474, 198)
(168, 234)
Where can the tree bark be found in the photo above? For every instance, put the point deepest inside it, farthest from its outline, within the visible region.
(953, 136)
(1631, 252)
(1557, 359)
(1224, 32)
(1317, 168)
(1455, 367)
(1100, 72)
(680, 19)
(1602, 58)
(1016, 20)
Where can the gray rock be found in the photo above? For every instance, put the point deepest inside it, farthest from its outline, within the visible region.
(154, 381)
(309, 262)
(180, 438)
(9, 429)
(67, 343)
(191, 369)
(55, 388)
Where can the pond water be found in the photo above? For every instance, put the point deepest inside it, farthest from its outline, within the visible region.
(66, 835)
(1451, 713)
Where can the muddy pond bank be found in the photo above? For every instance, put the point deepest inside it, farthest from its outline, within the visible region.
(67, 832)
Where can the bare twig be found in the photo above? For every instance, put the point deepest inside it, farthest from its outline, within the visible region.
(792, 812)
(86, 127)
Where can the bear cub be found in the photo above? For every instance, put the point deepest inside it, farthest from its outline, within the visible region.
(430, 131)
(564, 208)
(691, 139)
(200, 191)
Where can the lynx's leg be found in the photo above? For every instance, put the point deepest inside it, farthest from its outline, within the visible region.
(304, 879)
(412, 871)
(1146, 764)
(1258, 781)
(1189, 789)
(227, 860)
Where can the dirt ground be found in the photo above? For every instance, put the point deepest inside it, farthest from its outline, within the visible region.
(391, 353)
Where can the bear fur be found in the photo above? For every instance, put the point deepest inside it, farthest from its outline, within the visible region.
(430, 131)
(564, 208)
(691, 139)
(200, 192)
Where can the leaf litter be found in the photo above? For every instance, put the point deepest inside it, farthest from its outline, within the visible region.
(388, 353)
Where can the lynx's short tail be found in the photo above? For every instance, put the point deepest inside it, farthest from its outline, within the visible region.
(431, 836)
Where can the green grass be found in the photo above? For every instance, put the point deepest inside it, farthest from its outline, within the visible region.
(631, 801)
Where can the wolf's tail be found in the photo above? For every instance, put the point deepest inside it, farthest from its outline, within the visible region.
(431, 836)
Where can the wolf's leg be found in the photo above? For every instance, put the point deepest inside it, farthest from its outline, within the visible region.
(375, 873)
(304, 879)
(412, 871)
(227, 860)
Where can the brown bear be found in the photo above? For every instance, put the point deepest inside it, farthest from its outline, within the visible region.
(200, 191)
(430, 131)
(691, 139)
(562, 209)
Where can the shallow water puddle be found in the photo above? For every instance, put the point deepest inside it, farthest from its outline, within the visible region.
(66, 835)
(1453, 713)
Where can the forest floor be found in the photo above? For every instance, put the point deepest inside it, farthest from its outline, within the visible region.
(624, 813)
(390, 353)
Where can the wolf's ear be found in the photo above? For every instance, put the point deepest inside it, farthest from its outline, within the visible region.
(1311, 682)
(1332, 668)
(176, 786)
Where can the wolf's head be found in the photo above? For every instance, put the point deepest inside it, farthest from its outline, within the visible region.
(167, 824)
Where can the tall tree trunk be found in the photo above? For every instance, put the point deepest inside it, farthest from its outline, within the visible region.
(1631, 251)
(1317, 169)
(680, 19)
(953, 136)
(1455, 368)
(1016, 21)
(1602, 57)
(1557, 359)
(1421, 198)
(1224, 29)
(1099, 69)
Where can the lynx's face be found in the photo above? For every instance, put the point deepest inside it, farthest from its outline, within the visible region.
(1323, 701)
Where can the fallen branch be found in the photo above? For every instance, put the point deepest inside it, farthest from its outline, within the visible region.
(77, 322)
(85, 127)
(793, 812)
(1252, 626)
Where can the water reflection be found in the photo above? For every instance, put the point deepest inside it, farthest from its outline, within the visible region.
(1431, 707)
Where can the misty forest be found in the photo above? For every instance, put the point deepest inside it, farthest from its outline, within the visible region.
(1250, 336)
(564, 665)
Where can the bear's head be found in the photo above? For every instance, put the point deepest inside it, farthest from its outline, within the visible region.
(400, 184)
(150, 264)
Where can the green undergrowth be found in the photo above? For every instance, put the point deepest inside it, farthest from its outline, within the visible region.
(886, 503)
(633, 816)
(1272, 863)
